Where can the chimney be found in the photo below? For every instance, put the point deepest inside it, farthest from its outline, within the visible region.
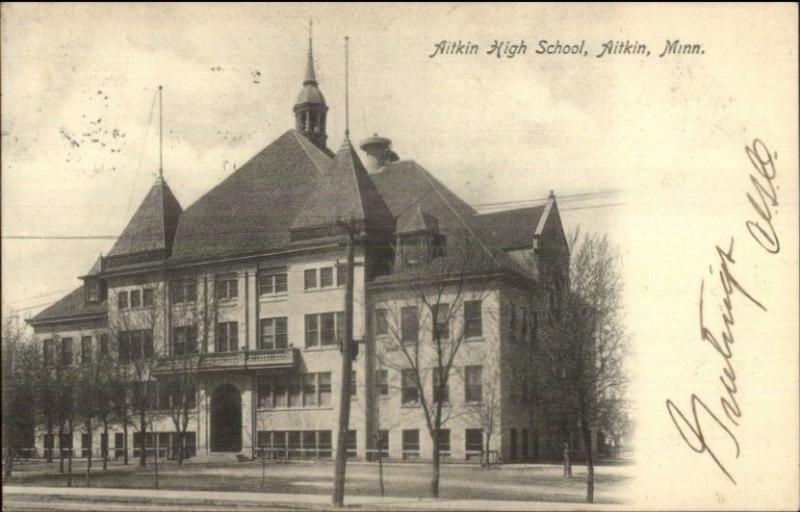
(379, 152)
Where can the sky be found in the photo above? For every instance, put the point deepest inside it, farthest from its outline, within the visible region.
(657, 144)
(80, 116)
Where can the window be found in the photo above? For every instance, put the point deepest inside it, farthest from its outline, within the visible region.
(324, 389)
(295, 391)
(122, 300)
(382, 382)
(184, 292)
(307, 390)
(325, 443)
(409, 387)
(310, 390)
(473, 383)
(93, 290)
(445, 392)
(279, 399)
(409, 325)
(352, 443)
(383, 440)
(103, 342)
(310, 443)
(474, 438)
(310, 278)
(444, 441)
(135, 296)
(274, 333)
(473, 325)
(381, 322)
(65, 443)
(103, 444)
(135, 345)
(324, 329)
(294, 444)
(273, 284)
(49, 444)
(415, 249)
(227, 339)
(326, 277)
(410, 443)
(353, 384)
(86, 350)
(442, 314)
(147, 297)
(227, 287)
(340, 325)
(264, 394)
(184, 339)
(341, 275)
(312, 330)
(86, 445)
(49, 352)
(164, 395)
(66, 351)
(119, 445)
(327, 329)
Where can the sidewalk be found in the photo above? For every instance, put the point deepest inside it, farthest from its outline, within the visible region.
(148, 499)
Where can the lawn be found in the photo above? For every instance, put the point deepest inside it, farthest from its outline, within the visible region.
(508, 482)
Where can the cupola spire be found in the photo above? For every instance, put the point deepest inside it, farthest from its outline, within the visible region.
(310, 110)
(311, 77)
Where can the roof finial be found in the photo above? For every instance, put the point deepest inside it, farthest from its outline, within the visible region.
(311, 77)
(160, 136)
(346, 88)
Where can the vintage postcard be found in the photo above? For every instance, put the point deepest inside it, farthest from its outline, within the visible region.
(400, 256)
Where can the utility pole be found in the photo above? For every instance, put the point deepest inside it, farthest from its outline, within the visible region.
(346, 348)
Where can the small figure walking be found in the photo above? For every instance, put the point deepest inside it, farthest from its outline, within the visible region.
(567, 464)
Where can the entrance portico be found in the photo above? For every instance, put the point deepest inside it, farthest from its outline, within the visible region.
(225, 414)
(226, 419)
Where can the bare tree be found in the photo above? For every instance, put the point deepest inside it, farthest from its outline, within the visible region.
(132, 333)
(584, 344)
(424, 328)
(487, 413)
(178, 394)
(89, 387)
(21, 365)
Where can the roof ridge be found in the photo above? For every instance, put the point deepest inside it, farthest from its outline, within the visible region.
(297, 137)
(439, 193)
(354, 174)
(480, 214)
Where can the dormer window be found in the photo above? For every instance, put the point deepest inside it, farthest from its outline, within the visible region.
(418, 238)
(94, 290)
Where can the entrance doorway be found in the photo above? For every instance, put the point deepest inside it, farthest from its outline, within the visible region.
(226, 419)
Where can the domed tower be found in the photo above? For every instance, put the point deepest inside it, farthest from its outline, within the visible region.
(310, 110)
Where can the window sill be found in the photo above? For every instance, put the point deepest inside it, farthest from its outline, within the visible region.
(323, 289)
(472, 339)
(286, 409)
(137, 308)
(226, 302)
(274, 297)
(323, 348)
(414, 405)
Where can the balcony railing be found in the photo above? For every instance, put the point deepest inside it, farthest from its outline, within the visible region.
(242, 360)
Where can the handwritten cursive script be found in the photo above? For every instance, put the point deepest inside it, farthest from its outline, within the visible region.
(694, 429)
